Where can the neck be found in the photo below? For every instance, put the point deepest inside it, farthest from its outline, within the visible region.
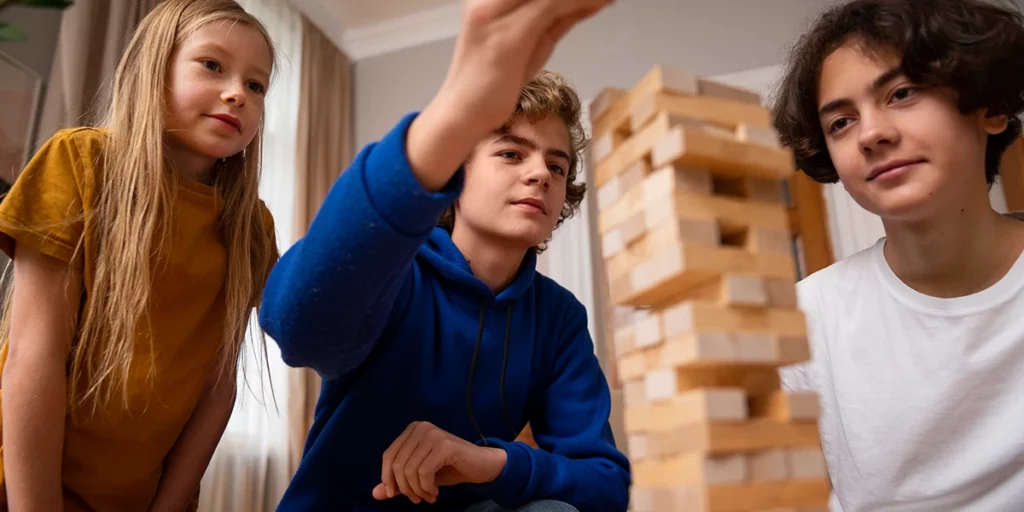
(961, 253)
(493, 263)
(191, 165)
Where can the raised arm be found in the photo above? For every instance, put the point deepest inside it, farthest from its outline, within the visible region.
(577, 462)
(329, 297)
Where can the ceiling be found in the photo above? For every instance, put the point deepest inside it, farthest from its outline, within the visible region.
(365, 28)
(362, 13)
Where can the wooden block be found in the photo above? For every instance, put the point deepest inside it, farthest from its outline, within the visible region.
(769, 239)
(642, 499)
(618, 186)
(731, 290)
(807, 463)
(727, 157)
(695, 406)
(793, 350)
(603, 103)
(624, 340)
(755, 347)
(725, 114)
(636, 147)
(672, 270)
(616, 239)
(668, 80)
(781, 293)
(634, 390)
(648, 331)
(759, 135)
(728, 92)
(672, 232)
(686, 351)
(697, 316)
(663, 384)
(788, 496)
(690, 469)
(768, 465)
(743, 437)
(604, 145)
(636, 446)
(782, 406)
(684, 192)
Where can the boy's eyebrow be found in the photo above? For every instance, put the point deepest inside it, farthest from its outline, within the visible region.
(528, 143)
(882, 79)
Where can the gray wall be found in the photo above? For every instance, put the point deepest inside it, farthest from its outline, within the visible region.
(615, 48)
(42, 27)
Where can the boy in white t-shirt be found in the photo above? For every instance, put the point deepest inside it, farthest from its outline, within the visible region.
(918, 341)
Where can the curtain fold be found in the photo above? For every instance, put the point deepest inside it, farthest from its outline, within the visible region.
(93, 35)
(324, 149)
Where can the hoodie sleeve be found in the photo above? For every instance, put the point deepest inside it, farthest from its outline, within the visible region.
(329, 297)
(578, 462)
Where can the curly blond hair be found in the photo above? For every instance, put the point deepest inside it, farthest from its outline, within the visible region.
(546, 94)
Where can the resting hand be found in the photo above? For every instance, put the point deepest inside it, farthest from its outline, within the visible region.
(425, 457)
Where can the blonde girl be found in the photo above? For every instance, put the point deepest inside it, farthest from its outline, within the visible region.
(140, 250)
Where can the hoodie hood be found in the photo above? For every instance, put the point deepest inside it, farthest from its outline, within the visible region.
(441, 254)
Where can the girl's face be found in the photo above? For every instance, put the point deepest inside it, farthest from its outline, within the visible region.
(218, 78)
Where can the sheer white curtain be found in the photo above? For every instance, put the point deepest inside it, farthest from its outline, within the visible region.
(249, 471)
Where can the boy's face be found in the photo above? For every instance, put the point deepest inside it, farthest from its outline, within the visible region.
(515, 183)
(902, 151)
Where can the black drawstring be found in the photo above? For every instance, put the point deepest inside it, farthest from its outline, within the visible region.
(504, 366)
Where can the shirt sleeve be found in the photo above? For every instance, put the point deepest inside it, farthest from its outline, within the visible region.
(44, 208)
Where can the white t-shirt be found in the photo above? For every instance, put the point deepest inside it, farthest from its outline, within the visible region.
(922, 399)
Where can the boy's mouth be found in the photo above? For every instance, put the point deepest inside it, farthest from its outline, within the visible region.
(532, 203)
(890, 166)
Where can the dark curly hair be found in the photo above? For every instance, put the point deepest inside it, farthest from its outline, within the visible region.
(974, 47)
(547, 94)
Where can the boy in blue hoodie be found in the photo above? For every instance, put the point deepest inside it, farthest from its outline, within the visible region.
(414, 296)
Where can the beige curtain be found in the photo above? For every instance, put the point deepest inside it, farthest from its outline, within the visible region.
(93, 35)
(324, 149)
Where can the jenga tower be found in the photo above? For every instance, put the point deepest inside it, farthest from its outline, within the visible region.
(695, 236)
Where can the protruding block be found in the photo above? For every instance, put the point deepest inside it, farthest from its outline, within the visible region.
(698, 110)
(666, 383)
(727, 157)
(672, 232)
(620, 185)
(781, 293)
(758, 135)
(696, 406)
(604, 145)
(696, 316)
(743, 437)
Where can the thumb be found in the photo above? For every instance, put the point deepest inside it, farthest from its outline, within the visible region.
(380, 492)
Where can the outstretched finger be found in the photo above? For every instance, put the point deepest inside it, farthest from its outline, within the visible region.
(387, 472)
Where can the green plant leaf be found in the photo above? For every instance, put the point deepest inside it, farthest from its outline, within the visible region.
(11, 32)
(53, 4)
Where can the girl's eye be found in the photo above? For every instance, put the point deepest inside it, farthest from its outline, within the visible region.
(256, 87)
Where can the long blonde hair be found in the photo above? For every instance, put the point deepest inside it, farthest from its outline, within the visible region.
(131, 218)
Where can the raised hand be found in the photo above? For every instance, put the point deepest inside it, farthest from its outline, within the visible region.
(425, 457)
(502, 44)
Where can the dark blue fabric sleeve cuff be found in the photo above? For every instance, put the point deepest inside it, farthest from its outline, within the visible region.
(510, 489)
(396, 194)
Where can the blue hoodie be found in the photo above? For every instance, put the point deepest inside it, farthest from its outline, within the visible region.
(385, 308)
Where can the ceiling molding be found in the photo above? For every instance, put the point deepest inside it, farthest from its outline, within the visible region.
(426, 26)
(416, 29)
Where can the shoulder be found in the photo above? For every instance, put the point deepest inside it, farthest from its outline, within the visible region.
(839, 280)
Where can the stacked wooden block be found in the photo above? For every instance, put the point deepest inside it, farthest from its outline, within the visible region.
(695, 237)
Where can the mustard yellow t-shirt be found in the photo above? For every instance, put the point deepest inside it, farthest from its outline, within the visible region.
(113, 461)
